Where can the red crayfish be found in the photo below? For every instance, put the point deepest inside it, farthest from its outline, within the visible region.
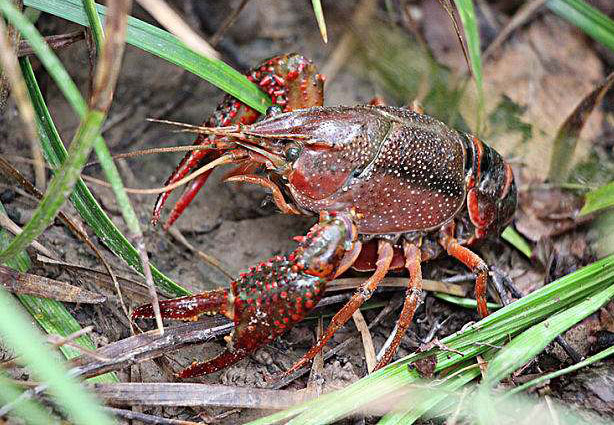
(393, 188)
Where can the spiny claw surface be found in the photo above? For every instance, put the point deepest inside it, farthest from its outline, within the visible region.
(271, 297)
(190, 307)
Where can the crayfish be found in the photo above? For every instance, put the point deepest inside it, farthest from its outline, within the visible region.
(393, 188)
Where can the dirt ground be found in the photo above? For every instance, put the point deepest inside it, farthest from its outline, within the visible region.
(543, 71)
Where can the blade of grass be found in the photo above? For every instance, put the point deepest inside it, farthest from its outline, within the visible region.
(18, 333)
(533, 341)
(168, 47)
(319, 14)
(110, 58)
(592, 359)
(464, 302)
(60, 186)
(473, 340)
(51, 315)
(421, 401)
(95, 24)
(568, 134)
(30, 411)
(82, 198)
(56, 154)
(599, 199)
(173, 22)
(516, 240)
(472, 35)
(590, 20)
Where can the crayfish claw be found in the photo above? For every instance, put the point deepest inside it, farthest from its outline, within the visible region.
(219, 362)
(189, 308)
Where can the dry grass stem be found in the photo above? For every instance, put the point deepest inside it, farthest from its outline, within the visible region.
(171, 20)
(11, 71)
(73, 224)
(522, 16)
(367, 341)
(345, 48)
(14, 228)
(56, 42)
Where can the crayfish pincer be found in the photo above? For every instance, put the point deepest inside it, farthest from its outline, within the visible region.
(412, 187)
(273, 296)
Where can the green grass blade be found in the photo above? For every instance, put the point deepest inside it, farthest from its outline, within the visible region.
(168, 47)
(60, 186)
(51, 315)
(590, 20)
(592, 359)
(63, 181)
(18, 333)
(533, 341)
(319, 14)
(425, 399)
(45, 55)
(513, 237)
(82, 198)
(28, 410)
(493, 330)
(599, 199)
(94, 23)
(472, 36)
(464, 302)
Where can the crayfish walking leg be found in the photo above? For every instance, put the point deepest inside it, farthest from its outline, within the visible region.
(272, 297)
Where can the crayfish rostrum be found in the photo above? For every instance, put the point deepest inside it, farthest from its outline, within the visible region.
(393, 188)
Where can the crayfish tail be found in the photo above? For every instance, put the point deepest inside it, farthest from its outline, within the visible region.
(190, 307)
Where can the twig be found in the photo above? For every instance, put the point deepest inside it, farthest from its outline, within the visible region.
(59, 341)
(139, 244)
(138, 291)
(30, 284)
(195, 395)
(215, 39)
(314, 383)
(149, 345)
(367, 341)
(12, 227)
(344, 49)
(524, 13)
(171, 20)
(54, 41)
(392, 305)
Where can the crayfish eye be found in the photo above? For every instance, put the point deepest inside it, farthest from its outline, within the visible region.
(274, 110)
(292, 152)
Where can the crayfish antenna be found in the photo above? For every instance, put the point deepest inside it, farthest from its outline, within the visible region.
(191, 307)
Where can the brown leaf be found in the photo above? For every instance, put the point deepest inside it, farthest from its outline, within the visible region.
(30, 284)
